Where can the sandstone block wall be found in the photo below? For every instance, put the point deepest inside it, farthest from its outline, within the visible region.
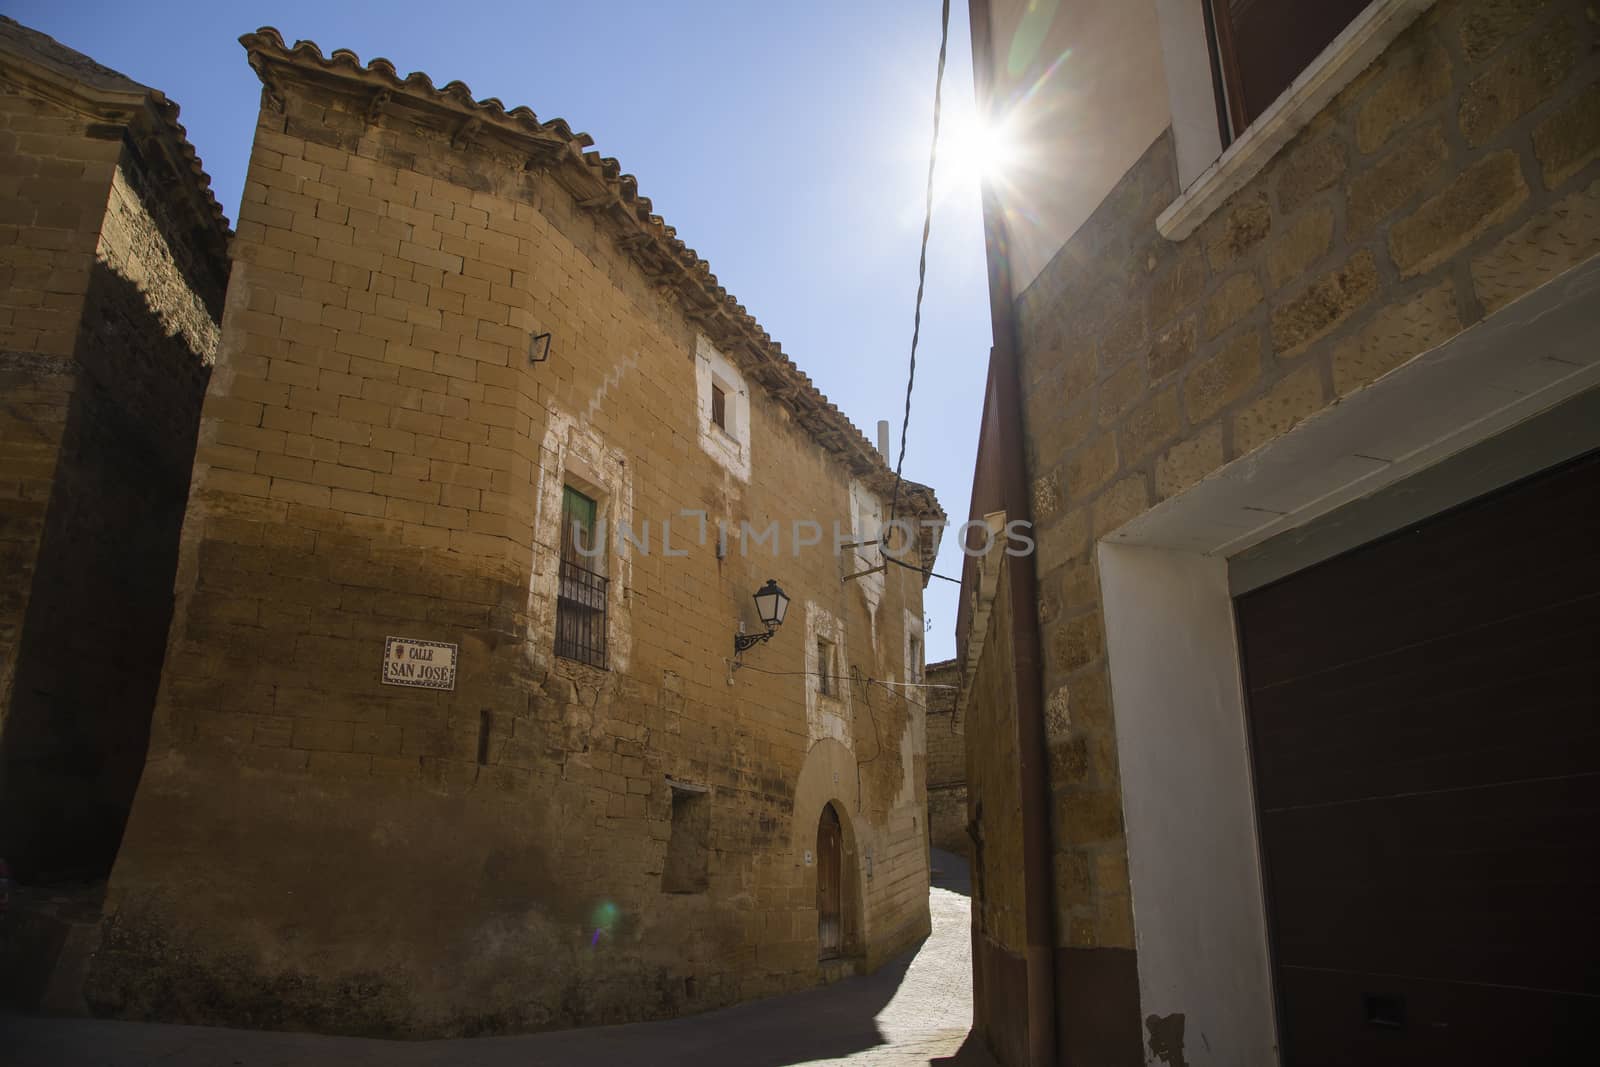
(109, 297)
(999, 935)
(55, 180)
(1454, 175)
(947, 761)
(379, 457)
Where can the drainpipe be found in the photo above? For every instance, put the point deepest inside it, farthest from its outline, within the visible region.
(1037, 849)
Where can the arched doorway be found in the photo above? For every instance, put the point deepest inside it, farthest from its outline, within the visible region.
(830, 884)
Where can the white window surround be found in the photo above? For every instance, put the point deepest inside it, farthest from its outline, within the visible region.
(1187, 55)
(728, 444)
(573, 454)
(866, 525)
(915, 652)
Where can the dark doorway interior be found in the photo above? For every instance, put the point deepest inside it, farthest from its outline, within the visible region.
(830, 869)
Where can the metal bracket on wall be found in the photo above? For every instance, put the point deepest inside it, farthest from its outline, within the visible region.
(879, 569)
(539, 347)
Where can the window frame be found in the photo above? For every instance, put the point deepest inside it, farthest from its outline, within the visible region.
(1209, 174)
(719, 406)
(1228, 68)
(581, 621)
(826, 667)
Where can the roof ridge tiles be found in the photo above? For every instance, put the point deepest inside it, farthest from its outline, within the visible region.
(740, 332)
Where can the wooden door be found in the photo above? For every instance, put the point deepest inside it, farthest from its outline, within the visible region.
(830, 884)
(1425, 723)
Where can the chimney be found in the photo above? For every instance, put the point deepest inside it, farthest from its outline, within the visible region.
(883, 439)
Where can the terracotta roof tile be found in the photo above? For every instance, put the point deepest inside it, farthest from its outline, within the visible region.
(600, 181)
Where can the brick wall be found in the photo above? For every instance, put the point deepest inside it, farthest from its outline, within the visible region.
(1454, 175)
(379, 457)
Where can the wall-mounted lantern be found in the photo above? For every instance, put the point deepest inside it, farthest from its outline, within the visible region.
(772, 603)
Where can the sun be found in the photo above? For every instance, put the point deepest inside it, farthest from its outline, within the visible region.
(973, 150)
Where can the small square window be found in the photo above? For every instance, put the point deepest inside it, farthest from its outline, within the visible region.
(827, 684)
(719, 407)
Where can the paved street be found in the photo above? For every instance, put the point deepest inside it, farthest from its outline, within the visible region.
(915, 1011)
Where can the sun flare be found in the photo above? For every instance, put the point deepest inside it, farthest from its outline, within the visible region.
(974, 150)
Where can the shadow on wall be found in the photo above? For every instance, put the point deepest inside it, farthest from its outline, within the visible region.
(89, 662)
(950, 871)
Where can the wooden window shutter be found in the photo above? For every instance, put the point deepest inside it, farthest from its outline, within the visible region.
(1263, 45)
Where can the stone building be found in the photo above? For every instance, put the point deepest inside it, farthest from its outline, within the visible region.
(947, 760)
(113, 261)
(1281, 743)
(451, 735)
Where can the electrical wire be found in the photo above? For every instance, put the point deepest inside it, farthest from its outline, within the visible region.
(926, 571)
(922, 260)
(916, 317)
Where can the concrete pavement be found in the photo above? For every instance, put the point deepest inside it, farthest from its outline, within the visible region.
(914, 1011)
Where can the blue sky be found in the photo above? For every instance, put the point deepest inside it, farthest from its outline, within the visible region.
(786, 142)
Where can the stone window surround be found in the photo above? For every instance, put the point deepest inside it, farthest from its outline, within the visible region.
(1208, 175)
(573, 454)
(729, 444)
(827, 714)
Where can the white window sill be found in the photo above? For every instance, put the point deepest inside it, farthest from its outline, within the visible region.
(1346, 56)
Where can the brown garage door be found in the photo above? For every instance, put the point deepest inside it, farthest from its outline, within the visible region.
(1425, 722)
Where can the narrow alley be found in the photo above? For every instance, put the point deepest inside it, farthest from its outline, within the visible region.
(914, 1011)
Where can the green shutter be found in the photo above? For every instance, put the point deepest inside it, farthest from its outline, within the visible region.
(577, 512)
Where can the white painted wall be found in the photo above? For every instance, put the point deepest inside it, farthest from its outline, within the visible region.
(1191, 92)
(1187, 802)
(1079, 85)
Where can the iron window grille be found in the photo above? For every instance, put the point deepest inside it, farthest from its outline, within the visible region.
(581, 589)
